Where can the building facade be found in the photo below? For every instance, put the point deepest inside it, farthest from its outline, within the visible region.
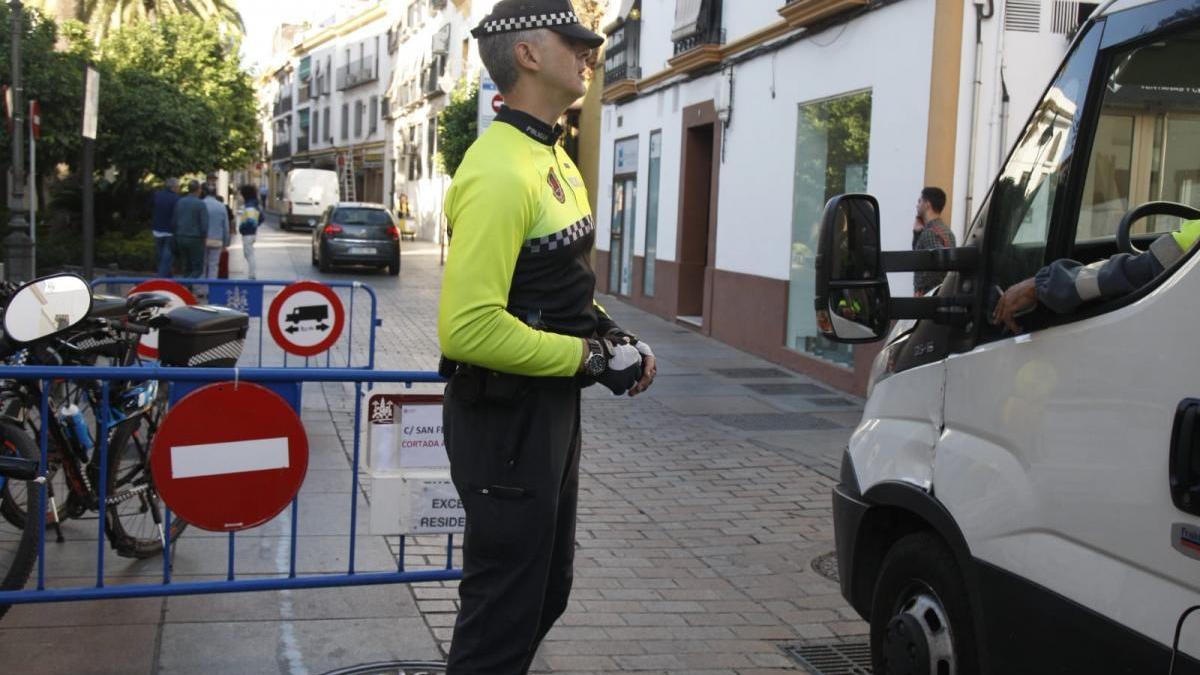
(724, 133)
(430, 43)
(328, 104)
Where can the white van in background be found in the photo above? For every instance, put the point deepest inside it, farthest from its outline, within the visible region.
(306, 195)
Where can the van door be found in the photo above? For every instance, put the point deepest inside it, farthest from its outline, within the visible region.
(1054, 460)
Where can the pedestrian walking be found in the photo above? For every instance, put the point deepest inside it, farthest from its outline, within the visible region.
(248, 227)
(929, 232)
(520, 334)
(162, 225)
(217, 238)
(190, 221)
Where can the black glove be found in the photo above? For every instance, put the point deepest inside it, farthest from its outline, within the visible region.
(624, 367)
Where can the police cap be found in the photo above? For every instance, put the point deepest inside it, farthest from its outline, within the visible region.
(556, 15)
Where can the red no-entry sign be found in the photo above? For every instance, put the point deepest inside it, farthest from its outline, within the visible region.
(179, 295)
(306, 318)
(229, 456)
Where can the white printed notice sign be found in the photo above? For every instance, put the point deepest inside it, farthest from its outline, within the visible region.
(405, 432)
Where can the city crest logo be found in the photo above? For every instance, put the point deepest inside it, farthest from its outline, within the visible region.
(556, 187)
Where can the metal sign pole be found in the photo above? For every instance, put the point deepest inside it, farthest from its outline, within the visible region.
(91, 100)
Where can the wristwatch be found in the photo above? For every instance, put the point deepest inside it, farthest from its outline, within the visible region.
(596, 361)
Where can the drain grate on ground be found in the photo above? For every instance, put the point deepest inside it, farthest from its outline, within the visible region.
(832, 657)
(787, 389)
(775, 422)
(750, 373)
(826, 565)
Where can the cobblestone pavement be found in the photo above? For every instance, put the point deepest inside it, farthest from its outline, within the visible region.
(704, 505)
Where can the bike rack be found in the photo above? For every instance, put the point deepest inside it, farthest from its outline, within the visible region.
(252, 294)
(352, 576)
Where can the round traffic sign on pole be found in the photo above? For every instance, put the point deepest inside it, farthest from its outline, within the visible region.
(306, 318)
(179, 296)
(236, 474)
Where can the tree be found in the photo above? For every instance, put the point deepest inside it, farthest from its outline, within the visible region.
(174, 99)
(458, 125)
(104, 16)
(591, 12)
(54, 79)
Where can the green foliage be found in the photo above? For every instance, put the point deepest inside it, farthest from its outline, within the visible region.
(54, 79)
(177, 100)
(103, 17)
(129, 251)
(458, 126)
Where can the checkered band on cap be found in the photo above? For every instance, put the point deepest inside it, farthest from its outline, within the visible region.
(529, 22)
(561, 239)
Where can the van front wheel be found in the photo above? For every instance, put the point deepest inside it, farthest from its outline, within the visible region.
(920, 617)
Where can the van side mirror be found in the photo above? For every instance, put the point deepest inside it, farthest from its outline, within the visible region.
(852, 294)
(47, 306)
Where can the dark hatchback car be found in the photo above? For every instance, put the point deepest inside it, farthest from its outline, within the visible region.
(356, 233)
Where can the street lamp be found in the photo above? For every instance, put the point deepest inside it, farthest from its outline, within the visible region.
(18, 247)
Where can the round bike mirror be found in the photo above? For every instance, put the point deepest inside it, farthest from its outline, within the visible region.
(47, 306)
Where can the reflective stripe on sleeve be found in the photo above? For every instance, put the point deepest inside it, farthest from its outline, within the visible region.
(1166, 251)
(1087, 281)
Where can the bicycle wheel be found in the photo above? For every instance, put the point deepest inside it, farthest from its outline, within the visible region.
(59, 491)
(134, 514)
(18, 546)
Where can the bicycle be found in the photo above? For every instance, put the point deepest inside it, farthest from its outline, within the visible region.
(134, 523)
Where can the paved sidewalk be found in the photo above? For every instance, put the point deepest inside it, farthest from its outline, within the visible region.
(704, 505)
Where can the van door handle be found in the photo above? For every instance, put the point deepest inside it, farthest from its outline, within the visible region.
(1185, 457)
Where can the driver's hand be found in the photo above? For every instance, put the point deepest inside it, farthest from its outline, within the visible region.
(1019, 298)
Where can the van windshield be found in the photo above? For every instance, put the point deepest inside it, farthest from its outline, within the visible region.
(361, 217)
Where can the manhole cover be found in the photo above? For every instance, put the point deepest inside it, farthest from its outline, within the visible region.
(787, 389)
(393, 668)
(832, 657)
(826, 565)
(750, 373)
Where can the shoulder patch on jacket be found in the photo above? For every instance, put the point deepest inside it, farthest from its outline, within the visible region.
(556, 187)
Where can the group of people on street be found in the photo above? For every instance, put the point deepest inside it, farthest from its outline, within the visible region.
(192, 231)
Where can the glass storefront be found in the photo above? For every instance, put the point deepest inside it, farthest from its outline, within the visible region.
(652, 212)
(832, 142)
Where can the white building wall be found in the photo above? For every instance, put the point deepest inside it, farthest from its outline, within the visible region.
(1022, 62)
(754, 218)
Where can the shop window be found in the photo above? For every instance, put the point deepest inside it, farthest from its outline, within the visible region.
(832, 143)
(652, 181)
(624, 216)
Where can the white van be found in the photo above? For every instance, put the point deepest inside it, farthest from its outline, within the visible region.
(306, 194)
(1030, 503)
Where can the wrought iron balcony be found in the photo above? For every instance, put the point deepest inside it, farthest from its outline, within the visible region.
(283, 105)
(357, 73)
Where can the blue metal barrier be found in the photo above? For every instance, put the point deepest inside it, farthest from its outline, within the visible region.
(249, 295)
(230, 584)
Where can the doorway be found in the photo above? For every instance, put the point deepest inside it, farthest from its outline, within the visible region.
(697, 209)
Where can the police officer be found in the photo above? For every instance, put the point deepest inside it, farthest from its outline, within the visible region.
(1063, 285)
(520, 334)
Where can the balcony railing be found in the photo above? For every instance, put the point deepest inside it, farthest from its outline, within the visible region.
(357, 73)
(305, 93)
(622, 72)
(283, 105)
(302, 141)
(712, 35)
(281, 151)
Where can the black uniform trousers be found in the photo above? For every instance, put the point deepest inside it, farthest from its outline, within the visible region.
(513, 444)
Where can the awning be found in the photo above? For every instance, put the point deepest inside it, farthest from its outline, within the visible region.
(687, 18)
